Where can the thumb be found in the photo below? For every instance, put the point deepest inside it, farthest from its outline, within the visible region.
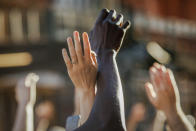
(94, 59)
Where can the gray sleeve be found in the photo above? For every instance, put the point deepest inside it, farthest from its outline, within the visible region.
(72, 123)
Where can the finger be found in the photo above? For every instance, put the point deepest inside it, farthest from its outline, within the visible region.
(111, 16)
(78, 47)
(66, 59)
(172, 83)
(103, 14)
(94, 59)
(163, 69)
(163, 74)
(157, 66)
(72, 51)
(87, 47)
(159, 70)
(126, 25)
(119, 20)
(153, 71)
(150, 91)
(170, 78)
(159, 75)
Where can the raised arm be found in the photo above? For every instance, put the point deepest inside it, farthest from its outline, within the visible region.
(164, 95)
(22, 98)
(25, 96)
(106, 38)
(82, 69)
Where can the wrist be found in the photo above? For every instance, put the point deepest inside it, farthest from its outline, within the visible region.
(106, 52)
(23, 103)
(84, 91)
(174, 119)
(173, 113)
(21, 106)
(86, 96)
(173, 110)
(106, 55)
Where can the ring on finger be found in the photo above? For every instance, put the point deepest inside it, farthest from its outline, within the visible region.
(74, 62)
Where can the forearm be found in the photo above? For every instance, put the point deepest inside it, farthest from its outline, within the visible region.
(178, 121)
(20, 120)
(29, 118)
(109, 84)
(86, 103)
(159, 120)
(108, 109)
(109, 81)
(76, 102)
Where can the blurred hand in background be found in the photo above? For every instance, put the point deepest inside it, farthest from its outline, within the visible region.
(137, 114)
(164, 95)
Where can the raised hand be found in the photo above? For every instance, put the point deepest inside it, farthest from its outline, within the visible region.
(164, 95)
(82, 69)
(25, 89)
(163, 92)
(108, 31)
(106, 38)
(26, 97)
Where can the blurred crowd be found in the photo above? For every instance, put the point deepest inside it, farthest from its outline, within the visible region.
(132, 68)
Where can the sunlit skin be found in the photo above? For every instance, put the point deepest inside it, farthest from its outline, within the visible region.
(82, 69)
(106, 38)
(163, 93)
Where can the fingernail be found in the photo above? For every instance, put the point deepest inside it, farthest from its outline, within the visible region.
(146, 84)
(64, 50)
(153, 69)
(157, 65)
(68, 39)
(163, 68)
(84, 33)
(76, 33)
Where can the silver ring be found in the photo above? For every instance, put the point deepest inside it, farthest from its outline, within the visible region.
(74, 62)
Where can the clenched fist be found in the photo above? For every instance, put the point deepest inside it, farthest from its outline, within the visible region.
(108, 31)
